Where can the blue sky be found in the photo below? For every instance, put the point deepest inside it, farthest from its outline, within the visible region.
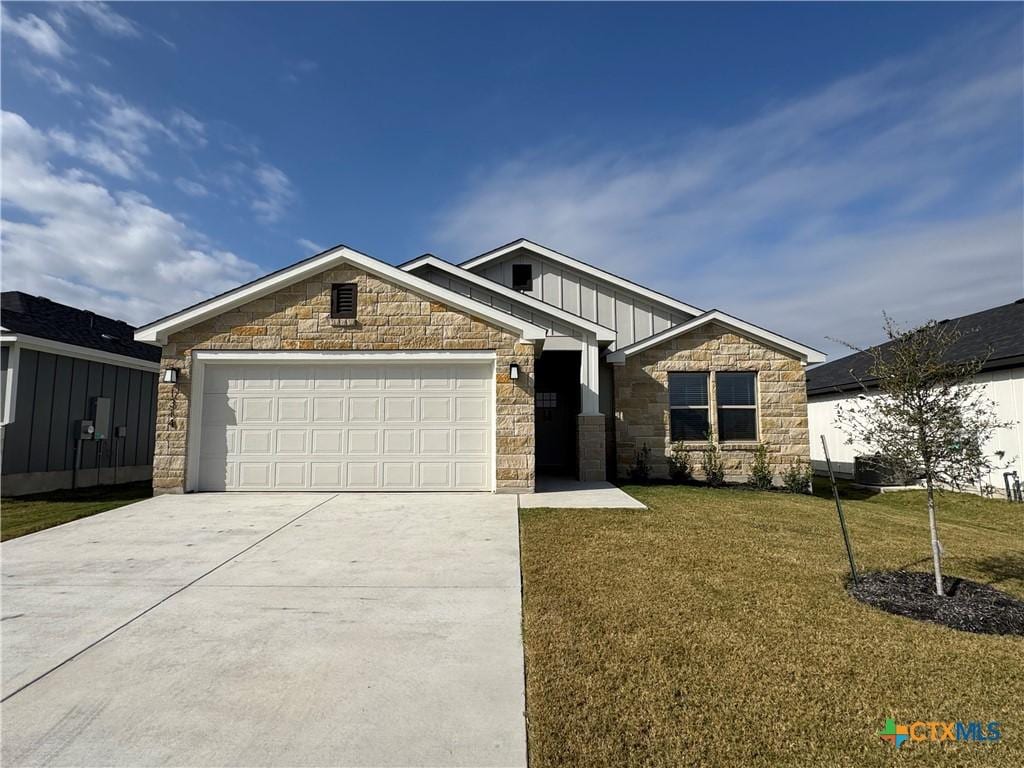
(801, 166)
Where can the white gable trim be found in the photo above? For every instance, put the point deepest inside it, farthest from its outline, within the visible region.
(39, 344)
(157, 332)
(599, 274)
(806, 354)
(601, 332)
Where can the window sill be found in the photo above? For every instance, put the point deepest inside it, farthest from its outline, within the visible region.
(739, 445)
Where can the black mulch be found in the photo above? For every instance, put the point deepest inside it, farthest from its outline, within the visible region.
(967, 606)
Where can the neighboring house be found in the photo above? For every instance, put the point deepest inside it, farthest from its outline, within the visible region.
(62, 366)
(344, 372)
(996, 335)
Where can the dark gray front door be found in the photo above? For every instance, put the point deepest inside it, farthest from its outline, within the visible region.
(557, 403)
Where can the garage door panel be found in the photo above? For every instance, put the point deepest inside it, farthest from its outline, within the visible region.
(328, 441)
(327, 474)
(399, 409)
(436, 409)
(290, 475)
(362, 474)
(256, 409)
(347, 427)
(292, 409)
(328, 409)
(399, 441)
(363, 441)
(363, 409)
(291, 441)
(399, 475)
(471, 409)
(471, 442)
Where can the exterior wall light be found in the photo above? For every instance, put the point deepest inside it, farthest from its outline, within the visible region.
(170, 376)
(513, 371)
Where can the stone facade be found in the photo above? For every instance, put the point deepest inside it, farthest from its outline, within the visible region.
(590, 446)
(389, 317)
(642, 405)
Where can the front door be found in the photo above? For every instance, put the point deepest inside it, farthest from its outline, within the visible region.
(557, 403)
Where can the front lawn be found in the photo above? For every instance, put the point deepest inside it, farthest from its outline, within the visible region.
(28, 514)
(715, 630)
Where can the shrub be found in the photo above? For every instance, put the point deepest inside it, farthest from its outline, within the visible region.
(680, 467)
(760, 469)
(711, 465)
(797, 477)
(641, 469)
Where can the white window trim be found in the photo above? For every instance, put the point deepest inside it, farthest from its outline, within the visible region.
(756, 408)
(202, 358)
(707, 379)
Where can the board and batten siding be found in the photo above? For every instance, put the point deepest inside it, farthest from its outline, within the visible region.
(632, 317)
(53, 393)
(466, 288)
(1005, 388)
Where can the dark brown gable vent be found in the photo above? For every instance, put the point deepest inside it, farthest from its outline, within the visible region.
(343, 300)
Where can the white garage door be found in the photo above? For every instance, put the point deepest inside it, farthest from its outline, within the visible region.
(346, 426)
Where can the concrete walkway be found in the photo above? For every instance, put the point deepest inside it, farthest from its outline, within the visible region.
(573, 494)
(268, 629)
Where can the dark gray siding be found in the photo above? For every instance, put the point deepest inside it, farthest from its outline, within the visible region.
(54, 392)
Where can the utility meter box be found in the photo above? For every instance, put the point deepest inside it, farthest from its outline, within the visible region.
(101, 417)
(85, 430)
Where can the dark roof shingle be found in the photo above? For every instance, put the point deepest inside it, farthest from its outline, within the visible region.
(38, 316)
(996, 332)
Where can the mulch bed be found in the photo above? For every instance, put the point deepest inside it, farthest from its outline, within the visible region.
(967, 606)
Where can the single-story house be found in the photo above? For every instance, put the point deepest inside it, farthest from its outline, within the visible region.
(996, 335)
(63, 372)
(343, 372)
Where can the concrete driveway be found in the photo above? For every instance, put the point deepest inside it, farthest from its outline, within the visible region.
(268, 629)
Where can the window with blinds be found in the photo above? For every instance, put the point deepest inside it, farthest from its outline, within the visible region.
(688, 404)
(736, 400)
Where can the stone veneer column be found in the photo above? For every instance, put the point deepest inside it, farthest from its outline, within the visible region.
(590, 446)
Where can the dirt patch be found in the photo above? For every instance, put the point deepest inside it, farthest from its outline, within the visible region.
(968, 606)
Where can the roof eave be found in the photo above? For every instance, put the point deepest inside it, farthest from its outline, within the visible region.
(159, 331)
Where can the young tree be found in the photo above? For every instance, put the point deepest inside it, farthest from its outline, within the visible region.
(926, 420)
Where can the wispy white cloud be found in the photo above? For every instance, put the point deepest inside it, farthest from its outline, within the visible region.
(53, 79)
(35, 32)
(309, 246)
(67, 236)
(887, 189)
(273, 193)
(108, 21)
(189, 127)
(296, 70)
(191, 188)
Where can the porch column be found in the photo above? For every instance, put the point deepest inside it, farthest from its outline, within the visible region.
(590, 422)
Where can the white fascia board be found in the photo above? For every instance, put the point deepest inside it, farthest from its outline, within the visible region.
(805, 353)
(599, 274)
(157, 332)
(82, 353)
(600, 332)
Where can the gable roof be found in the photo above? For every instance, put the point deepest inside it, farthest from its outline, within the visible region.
(592, 271)
(41, 318)
(997, 333)
(601, 332)
(158, 331)
(805, 353)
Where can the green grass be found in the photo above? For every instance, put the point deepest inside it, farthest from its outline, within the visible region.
(28, 514)
(714, 630)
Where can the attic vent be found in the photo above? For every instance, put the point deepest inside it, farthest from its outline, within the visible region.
(522, 277)
(343, 300)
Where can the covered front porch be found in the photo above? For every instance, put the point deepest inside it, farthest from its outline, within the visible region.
(572, 433)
